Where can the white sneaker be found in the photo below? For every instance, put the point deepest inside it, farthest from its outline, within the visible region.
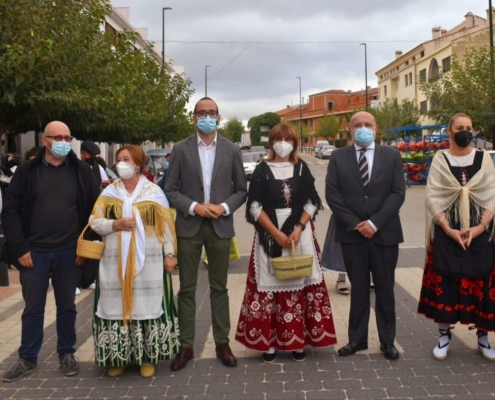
(487, 352)
(92, 286)
(78, 291)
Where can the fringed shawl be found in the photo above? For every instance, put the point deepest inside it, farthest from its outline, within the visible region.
(149, 206)
(444, 193)
(258, 191)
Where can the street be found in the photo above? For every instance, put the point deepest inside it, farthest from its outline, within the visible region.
(324, 375)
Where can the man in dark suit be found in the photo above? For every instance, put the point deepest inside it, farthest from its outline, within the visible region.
(206, 184)
(365, 189)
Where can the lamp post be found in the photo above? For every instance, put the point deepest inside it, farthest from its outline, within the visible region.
(163, 34)
(206, 80)
(300, 111)
(365, 72)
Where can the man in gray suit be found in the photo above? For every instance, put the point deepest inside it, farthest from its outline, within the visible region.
(206, 184)
(365, 189)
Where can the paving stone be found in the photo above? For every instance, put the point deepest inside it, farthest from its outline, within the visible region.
(473, 369)
(33, 394)
(148, 391)
(286, 396)
(419, 381)
(326, 395)
(342, 384)
(25, 383)
(487, 388)
(70, 393)
(244, 378)
(459, 379)
(110, 392)
(433, 371)
(220, 388)
(446, 390)
(284, 377)
(186, 390)
(360, 394)
(272, 387)
(304, 385)
(394, 372)
(369, 383)
(96, 383)
(358, 374)
(237, 396)
(7, 393)
(408, 392)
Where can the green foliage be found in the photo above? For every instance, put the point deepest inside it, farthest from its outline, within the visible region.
(328, 127)
(392, 114)
(468, 87)
(340, 143)
(297, 127)
(233, 129)
(269, 119)
(56, 62)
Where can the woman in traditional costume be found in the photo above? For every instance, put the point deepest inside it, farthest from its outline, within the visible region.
(284, 315)
(134, 320)
(459, 274)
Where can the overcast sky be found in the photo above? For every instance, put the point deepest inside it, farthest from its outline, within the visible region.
(248, 77)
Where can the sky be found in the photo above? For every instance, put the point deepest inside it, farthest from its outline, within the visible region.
(256, 49)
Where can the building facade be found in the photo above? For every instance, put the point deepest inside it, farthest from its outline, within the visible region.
(399, 79)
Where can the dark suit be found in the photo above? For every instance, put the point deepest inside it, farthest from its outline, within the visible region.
(184, 186)
(379, 202)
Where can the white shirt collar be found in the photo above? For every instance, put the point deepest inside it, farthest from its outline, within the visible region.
(370, 147)
(200, 141)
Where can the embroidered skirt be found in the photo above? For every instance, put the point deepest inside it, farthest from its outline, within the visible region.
(449, 300)
(140, 341)
(287, 321)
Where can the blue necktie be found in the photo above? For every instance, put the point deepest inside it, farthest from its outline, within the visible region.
(363, 167)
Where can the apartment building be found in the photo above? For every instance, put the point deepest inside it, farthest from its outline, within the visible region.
(399, 79)
(341, 103)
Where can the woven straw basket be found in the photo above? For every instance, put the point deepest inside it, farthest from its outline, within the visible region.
(293, 265)
(88, 248)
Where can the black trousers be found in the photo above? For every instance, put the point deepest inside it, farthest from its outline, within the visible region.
(89, 273)
(360, 259)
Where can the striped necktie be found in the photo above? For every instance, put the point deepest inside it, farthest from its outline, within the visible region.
(363, 167)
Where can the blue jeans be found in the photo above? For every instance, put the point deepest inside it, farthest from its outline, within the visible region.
(61, 267)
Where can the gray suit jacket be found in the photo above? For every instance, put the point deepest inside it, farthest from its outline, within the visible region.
(379, 202)
(184, 185)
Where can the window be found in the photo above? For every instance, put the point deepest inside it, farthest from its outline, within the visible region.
(407, 80)
(330, 105)
(422, 54)
(422, 75)
(410, 78)
(385, 90)
(423, 106)
(446, 64)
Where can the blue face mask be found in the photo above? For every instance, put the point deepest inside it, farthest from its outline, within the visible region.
(364, 136)
(60, 149)
(207, 125)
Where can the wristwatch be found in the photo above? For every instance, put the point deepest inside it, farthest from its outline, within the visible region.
(170, 255)
(303, 227)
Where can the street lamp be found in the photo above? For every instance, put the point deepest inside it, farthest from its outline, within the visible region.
(163, 34)
(365, 72)
(300, 111)
(206, 80)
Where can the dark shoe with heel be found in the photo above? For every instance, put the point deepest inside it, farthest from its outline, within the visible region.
(181, 359)
(225, 355)
(352, 348)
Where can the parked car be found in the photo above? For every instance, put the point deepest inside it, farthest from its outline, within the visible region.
(250, 161)
(492, 155)
(324, 151)
(320, 143)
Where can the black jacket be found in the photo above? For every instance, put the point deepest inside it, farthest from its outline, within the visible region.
(18, 202)
(379, 202)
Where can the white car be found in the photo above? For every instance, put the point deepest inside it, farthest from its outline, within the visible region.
(325, 151)
(250, 161)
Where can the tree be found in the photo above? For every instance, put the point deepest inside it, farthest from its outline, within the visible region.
(391, 114)
(468, 87)
(268, 119)
(233, 129)
(56, 62)
(328, 126)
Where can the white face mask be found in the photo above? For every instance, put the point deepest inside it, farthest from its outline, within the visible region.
(125, 170)
(282, 149)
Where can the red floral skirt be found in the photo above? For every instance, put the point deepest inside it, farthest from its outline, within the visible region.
(287, 321)
(449, 300)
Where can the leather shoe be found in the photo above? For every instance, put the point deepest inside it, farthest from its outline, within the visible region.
(352, 348)
(389, 351)
(225, 354)
(181, 359)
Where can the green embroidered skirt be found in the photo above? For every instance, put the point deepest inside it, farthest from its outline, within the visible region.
(140, 341)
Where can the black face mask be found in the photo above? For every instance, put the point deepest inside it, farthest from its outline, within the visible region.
(463, 138)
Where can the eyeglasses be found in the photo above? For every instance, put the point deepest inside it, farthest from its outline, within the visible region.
(60, 138)
(359, 126)
(203, 114)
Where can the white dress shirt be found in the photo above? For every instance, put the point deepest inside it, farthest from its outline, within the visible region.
(370, 156)
(207, 158)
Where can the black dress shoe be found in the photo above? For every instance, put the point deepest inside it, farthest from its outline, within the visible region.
(351, 348)
(182, 358)
(389, 351)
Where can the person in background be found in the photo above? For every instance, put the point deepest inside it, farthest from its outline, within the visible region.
(459, 274)
(165, 171)
(134, 319)
(46, 207)
(206, 184)
(146, 169)
(89, 151)
(284, 315)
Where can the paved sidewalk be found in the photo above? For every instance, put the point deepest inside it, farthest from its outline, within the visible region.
(324, 375)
